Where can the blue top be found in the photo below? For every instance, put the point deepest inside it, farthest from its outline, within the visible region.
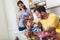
(26, 13)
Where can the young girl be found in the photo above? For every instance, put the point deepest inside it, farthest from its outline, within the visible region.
(30, 32)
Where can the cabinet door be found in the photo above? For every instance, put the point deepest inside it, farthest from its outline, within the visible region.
(52, 3)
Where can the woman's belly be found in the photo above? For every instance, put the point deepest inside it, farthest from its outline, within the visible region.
(21, 22)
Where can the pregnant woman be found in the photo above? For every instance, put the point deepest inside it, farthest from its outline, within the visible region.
(23, 14)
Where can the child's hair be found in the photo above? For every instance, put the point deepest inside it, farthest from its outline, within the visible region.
(25, 22)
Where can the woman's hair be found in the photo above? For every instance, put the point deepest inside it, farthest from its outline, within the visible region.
(19, 2)
(24, 7)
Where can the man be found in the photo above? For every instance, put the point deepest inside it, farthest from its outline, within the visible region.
(49, 21)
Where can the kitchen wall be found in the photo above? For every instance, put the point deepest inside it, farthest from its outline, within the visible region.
(8, 19)
(10, 11)
(4, 35)
(55, 10)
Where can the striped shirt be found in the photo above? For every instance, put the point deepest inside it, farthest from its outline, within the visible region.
(33, 29)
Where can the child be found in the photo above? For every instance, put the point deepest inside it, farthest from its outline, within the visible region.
(29, 25)
(31, 30)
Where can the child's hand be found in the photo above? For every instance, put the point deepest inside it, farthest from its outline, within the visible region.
(26, 34)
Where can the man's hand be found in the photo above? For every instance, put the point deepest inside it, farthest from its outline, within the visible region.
(50, 29)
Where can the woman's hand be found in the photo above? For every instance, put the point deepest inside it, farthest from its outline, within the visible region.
(25, 17)
(22, 16)
(31, 16)
(49, 29)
